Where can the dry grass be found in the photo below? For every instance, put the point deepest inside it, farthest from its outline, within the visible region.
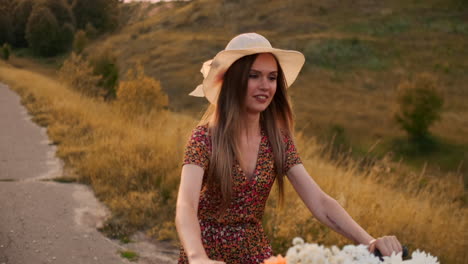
(133, 166)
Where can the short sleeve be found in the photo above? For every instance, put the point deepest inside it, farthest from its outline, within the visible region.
(292, 157)
(196, 150)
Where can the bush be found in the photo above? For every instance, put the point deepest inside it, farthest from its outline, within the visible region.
(106, 66)
(78, 74)
(6, 50)
(140, 94)
(419, 106)
(80, 41)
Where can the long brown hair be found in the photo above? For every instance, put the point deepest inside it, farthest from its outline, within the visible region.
(225, 127)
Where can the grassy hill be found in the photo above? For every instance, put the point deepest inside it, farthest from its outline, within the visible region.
(356, 55)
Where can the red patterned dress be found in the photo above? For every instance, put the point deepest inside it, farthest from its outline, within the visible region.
(238, 237)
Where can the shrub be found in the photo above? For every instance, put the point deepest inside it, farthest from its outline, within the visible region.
(78, 74)
(106, 66)
(6, 50)
(91, 31)
(419, 106)
(140, 94)
(80, 41)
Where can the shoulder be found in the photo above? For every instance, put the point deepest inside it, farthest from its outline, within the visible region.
(286, 136)
(200, 136)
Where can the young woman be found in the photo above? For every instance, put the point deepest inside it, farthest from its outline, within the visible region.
(241, 146)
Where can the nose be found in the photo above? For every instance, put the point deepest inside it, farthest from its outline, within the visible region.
(264, 83)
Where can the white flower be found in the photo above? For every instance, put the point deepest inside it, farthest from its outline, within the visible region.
(298, 241)
(393, 259)
(305, 253)
(423, 258)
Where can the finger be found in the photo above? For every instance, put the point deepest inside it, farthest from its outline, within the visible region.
(387, 250)
(396, 244)
(372, 247)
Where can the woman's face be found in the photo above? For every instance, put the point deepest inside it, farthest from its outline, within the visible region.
(261, 86)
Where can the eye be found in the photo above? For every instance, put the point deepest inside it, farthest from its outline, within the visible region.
(253, 76)
(273, 78)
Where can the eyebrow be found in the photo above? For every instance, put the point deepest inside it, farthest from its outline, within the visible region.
(257, 71)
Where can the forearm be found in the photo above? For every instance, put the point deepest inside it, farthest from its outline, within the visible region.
(336, 217)
(189, 231)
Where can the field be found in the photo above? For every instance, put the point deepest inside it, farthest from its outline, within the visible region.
(357, 54)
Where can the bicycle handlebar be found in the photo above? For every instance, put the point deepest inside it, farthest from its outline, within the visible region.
(404, 254)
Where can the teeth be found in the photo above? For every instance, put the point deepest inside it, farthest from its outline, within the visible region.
(261, 97)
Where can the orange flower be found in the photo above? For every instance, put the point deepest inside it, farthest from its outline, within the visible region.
(275, 260)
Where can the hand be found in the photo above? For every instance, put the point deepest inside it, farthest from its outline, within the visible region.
(205, 260)
(386, 245)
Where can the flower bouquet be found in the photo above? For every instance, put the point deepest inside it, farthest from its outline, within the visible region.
(305, 253)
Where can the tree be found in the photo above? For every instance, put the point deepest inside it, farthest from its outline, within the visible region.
(62, 12)
(419, 106)
(46, 35)
(101, 14)
(42, 31)
(21, 13)
(6, 32)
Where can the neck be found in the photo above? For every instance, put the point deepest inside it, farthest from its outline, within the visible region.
(251, 124)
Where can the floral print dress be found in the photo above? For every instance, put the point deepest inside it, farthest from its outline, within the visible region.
(238, 236)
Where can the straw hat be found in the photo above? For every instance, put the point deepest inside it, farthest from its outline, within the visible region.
(291, 62)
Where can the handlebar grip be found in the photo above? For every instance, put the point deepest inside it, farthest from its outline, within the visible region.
(404, 255)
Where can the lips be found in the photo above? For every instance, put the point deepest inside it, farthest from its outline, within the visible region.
(261, 98)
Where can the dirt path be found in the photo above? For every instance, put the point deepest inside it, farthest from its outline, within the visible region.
(42, 221)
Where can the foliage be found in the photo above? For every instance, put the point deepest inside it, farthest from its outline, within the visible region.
(66, 22)
(130, 255)
(78, 74)
(91, 31)
(140, 94)
(101, 14)
(6, 33)
(80, 41)
(42, 31)
(21, 13)
(105, 65)
(419, 106)
(47, 35)
(6, 50)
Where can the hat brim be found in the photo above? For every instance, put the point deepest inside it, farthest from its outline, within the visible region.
(290, 62)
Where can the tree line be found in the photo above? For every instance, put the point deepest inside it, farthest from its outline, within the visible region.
(48, 27)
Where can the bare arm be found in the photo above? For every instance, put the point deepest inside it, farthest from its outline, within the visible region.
(328, 211)
(187, 224)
